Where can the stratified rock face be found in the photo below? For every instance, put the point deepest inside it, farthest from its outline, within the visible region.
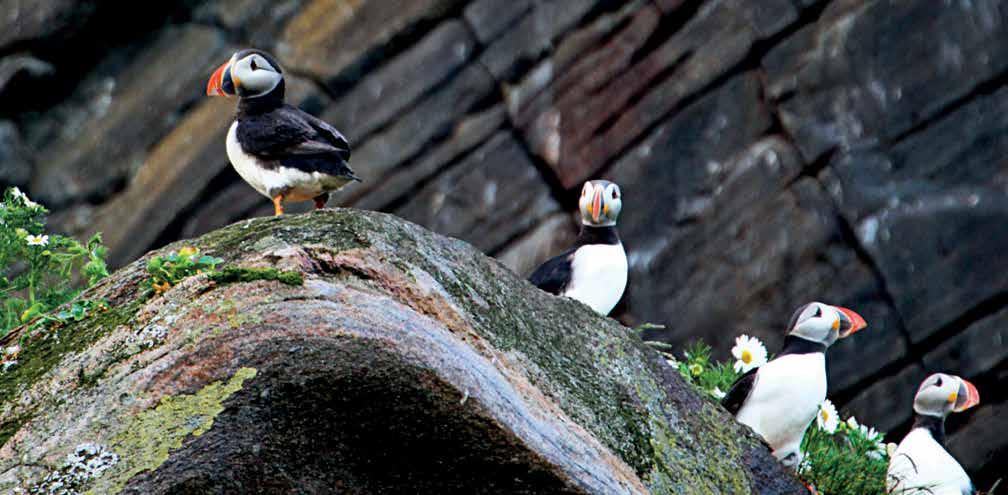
(771, 152)
(405, 363)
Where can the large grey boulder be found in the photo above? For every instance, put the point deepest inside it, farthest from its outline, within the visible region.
(404, 362)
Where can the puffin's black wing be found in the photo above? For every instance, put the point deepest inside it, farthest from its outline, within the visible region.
(739, 392)
(295, 139)
(554, 275)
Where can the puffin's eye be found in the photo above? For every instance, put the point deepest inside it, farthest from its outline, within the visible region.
(818, 312)
(615, 194)
(938, 383)
(253, 65)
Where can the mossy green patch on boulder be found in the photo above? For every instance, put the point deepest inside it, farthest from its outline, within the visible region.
(144, 444)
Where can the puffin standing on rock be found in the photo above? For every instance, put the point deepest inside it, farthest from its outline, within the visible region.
(781, 398)
(282, 152)
(921, 465)
(594, 271)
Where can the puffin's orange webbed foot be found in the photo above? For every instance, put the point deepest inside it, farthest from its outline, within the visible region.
(277, 205)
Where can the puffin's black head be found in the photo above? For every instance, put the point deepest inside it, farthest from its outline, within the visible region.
(824, 324)
(941, 394)
(250, 73)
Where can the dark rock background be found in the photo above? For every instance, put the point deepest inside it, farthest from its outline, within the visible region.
(771, 152)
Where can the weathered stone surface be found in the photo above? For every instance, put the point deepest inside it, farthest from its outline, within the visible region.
(877, 69)
(386, 93)
(15, 162)
(26, 66)
(915, 204)
(930, 257)
(332, 39)
(400, 347)
(24, 20)
(578, 138)
(888, 403)
(978, 349)
(102, 140)
(257, 21)
(490, 18)
(432, 119)
(551, 237)
(532, 35)
(493, 194)
(468, 134)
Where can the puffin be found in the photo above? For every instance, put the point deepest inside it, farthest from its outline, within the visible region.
(781, 398)
(594, 270)
(921, 465)
(281, 151)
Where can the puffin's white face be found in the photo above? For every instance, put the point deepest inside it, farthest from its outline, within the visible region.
(253, 75)
(941, 394)
(823, 323)
(600, 203)
(249, 73)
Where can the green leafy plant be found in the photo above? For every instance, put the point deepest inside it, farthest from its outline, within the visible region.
(40, 272)
(711, 377)
(168, 270)
(853, 459)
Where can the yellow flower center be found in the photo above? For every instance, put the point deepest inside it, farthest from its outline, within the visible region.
(747, 358)
(825, 414)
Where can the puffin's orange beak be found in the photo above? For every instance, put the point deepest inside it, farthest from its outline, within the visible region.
(215, 86)
(967, 398)
(596, 206)
(853, 323)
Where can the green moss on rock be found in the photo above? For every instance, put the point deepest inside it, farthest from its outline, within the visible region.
(41, 353)
(144, 444)
(235, 274)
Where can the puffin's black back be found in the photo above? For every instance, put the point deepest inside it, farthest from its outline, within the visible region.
(554, 275)
(292, 138)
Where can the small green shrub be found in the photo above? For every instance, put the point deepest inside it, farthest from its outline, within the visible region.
(40, 272)
(168, 270)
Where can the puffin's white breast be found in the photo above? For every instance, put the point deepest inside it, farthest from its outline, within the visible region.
(922, 466)
(296, 184)
(598, 276)
(785, 400)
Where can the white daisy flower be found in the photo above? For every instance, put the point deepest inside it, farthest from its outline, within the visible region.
(37, 240)
(827, 419)
(749, 353)
(717, 393)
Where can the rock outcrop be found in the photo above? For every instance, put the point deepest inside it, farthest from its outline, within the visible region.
(399, 362)
(771, 152)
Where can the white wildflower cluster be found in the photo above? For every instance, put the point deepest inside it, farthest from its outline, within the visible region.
(9, 357)
(749, 353)
(869, 435)
(86, 462)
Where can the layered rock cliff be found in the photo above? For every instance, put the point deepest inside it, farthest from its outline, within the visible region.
(771, 152)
